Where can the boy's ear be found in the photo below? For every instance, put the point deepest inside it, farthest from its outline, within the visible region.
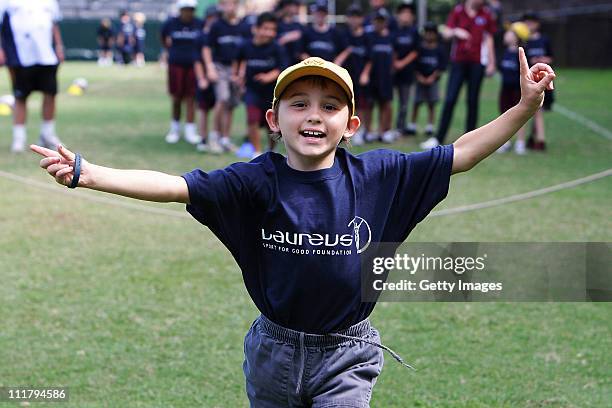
(272, 121)
(352, 126)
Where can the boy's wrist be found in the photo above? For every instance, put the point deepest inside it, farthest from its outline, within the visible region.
(525, 110)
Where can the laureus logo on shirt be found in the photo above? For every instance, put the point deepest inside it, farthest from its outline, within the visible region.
(357, 238)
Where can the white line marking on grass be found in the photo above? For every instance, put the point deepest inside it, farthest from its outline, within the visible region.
(600, 130)
(181, 214)
(523, 196)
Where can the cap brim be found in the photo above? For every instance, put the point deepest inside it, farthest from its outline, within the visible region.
(313, 71)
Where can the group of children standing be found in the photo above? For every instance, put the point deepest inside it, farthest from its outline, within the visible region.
(218, 62)
(128, 40)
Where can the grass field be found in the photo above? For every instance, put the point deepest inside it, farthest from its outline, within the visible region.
(133, 309)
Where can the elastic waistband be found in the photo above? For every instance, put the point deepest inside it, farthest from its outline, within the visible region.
(298, 338)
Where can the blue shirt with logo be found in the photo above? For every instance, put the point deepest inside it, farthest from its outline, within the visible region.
(260, 59)
(356, 61)
(380, 50)
(298, 237)
(431, 60)
(292, 48)
(538, 47)
(184, 36)
(224, 40)
(326, 45)
(405, 40)
(510, 69)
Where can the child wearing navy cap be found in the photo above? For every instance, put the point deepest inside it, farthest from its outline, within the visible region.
(298, 227)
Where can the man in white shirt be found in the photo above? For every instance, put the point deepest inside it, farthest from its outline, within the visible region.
(32, 49)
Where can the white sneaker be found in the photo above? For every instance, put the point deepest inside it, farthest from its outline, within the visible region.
(357, 139)
(505, 147)
(172, 137)
(389, 136)
(209, 147)
(519, 147)
(429, 143)
(227, 144)
(49, 141)
(18, 145)
(372, 137)
(193, 138)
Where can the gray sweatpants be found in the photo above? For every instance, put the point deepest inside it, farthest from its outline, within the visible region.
(288, 368)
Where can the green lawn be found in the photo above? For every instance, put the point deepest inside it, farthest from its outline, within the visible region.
(129, 308)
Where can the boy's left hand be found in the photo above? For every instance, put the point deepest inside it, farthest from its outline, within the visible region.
(534, 81)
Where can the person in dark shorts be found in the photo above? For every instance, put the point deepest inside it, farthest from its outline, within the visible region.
(140, 35)
(257, 66)
(180, 35)
(406, 41)
(32, 48)
(539, 50)
(510, 92)
(205, 94)
(378, 76)
(106, 41)
(125, 38)
(430, 66)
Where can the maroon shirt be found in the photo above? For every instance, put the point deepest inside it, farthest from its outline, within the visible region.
(483, 21)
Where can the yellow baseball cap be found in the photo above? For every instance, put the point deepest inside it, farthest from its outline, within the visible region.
(318, 67)
(521, 30)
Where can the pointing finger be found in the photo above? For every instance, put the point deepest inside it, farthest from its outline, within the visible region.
(43, 151)
(523, 62)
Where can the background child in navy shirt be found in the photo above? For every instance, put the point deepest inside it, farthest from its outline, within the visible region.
(290, 224)
(140, 35)
(355, 62)
(257, 66)
(510, 92)
(405, 44)
(180, 35)
(290, 30)
(224, 40)
(205, 94)
(319, 39)
(378, 76)
(539, 50)
(430, 66)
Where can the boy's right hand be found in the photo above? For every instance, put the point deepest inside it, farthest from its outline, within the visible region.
(60, 164)
(212, 75)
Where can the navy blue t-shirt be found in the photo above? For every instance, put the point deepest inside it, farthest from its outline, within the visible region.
(431, 60)
(224, 40)
(405, 40)
(510, 69)
(539, 47)
(326, 45)
(184, 49)
(292, 48)
(358, 58)
(246, 25)
(298, 236)
(260, 59)
(380, 52)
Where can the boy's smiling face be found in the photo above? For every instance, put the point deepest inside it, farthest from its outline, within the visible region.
(312, 117)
